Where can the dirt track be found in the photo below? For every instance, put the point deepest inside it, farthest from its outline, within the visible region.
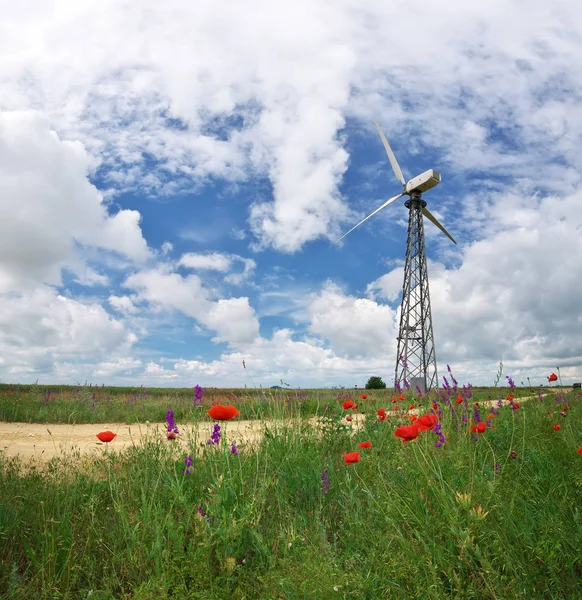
(44, 441)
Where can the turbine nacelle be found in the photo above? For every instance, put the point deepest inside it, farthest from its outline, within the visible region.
(423, 182)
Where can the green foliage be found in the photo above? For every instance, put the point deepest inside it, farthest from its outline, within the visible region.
(408, 521)
(375, 383)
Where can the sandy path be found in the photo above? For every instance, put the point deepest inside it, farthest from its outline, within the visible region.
(44, 441)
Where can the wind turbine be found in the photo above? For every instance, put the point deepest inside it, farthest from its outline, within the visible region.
(415, 357)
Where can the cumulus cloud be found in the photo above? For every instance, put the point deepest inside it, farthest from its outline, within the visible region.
(266, 91)
(41, 329)
(233, 319)
(221, 262)
(47, 204)
(354, 327)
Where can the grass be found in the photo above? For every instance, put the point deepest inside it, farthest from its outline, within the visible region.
(408, 521)
(94, 404)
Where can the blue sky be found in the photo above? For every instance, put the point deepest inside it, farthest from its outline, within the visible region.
(172, 180)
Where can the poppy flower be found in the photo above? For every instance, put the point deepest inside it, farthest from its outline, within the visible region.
(394, 400)
(490, 416)
(556, 427)
(348, 418)
(566, 407)
(352, 457)
(476, 405)
(407, 433)
(479, 428)
(365, 445)
(382, 414)
(426, 422)
(516, 405)
(106, 436)
(412, 418)
(411, 407)
(223, 413)
(435, 406)
(553, 377)
(459, 400)
(348, 404)
(171, 435)
(355, 407)
(580, 450)
(402, 398)
(510, 397)
(364, 396)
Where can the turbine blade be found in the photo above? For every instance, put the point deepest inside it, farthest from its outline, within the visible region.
(432, 218)
(372, 214)
(391, 157)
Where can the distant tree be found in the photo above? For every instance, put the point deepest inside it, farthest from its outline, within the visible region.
(375, 383)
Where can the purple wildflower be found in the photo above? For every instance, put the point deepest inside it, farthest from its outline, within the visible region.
(188, 463)
(172, 427)
(203, 514)
(215, 437)
(419, 392)
(476, 415)
(438, 430)
(510, 382)
(198, 393)
(406, 384)
(397, 386)
(234, 450)
(325, 485)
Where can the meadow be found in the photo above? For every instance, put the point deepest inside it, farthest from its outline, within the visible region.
(462, 510)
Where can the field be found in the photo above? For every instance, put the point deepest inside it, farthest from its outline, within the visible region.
(454, 513)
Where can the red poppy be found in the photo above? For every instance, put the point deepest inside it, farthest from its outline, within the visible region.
(479, 428)
(553, 377)
(355, 407)
(411, 407)
(435, 406)
(402, 398)
(566, 407)
(516, 405)
(426, 422)
(382, 414)
(348, 404)
(412, 418)
(407, 432)
(490, 416)
(223, 413)
(459, 400)
(580, 450)
(556, 427)
(364, 396)
(394, 400)
(171, 435)
(348, 418)
(352, 457)
(476, 404)
(106, 436)
(365, 445)
(510, 397)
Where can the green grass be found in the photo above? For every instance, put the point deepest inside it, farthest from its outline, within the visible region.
(407, 521)
(88, 404)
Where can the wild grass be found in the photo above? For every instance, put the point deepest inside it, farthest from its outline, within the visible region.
(100, 404)
(495, 515)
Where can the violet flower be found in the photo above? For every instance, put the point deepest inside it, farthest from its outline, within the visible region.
(325, 485)
(188, 463)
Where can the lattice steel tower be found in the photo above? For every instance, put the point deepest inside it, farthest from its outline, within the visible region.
(415, 356)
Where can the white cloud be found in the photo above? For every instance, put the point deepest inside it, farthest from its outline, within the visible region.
(232, 319)
(42, 328)
(355, 327)
(212, 262)
(47, 203)
(221, 262)
(123, 304)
